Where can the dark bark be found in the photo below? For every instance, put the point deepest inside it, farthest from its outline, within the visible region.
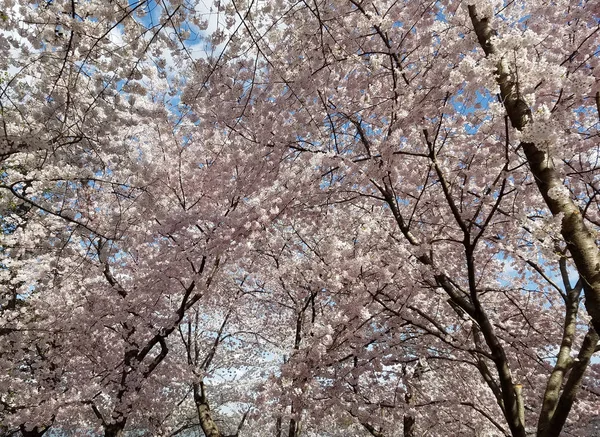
(293, 428)
(115, 429)
(409, 426)
(468, 303)
(511, 398)
(372, 429)
(35, 432)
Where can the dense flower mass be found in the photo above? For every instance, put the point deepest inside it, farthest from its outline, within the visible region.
(299, 218)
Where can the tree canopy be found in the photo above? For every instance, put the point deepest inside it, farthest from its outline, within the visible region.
(299, 218)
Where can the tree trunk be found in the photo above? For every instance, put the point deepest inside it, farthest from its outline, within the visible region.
(35, 432)
(573, 383)
(580, 241)
(208, 425)
(114, 429)
(563, 361)
(293, 428)
(409, 425)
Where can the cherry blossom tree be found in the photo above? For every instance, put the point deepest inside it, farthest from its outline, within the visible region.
(87, 208)
(474, 127)
(344, 217)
